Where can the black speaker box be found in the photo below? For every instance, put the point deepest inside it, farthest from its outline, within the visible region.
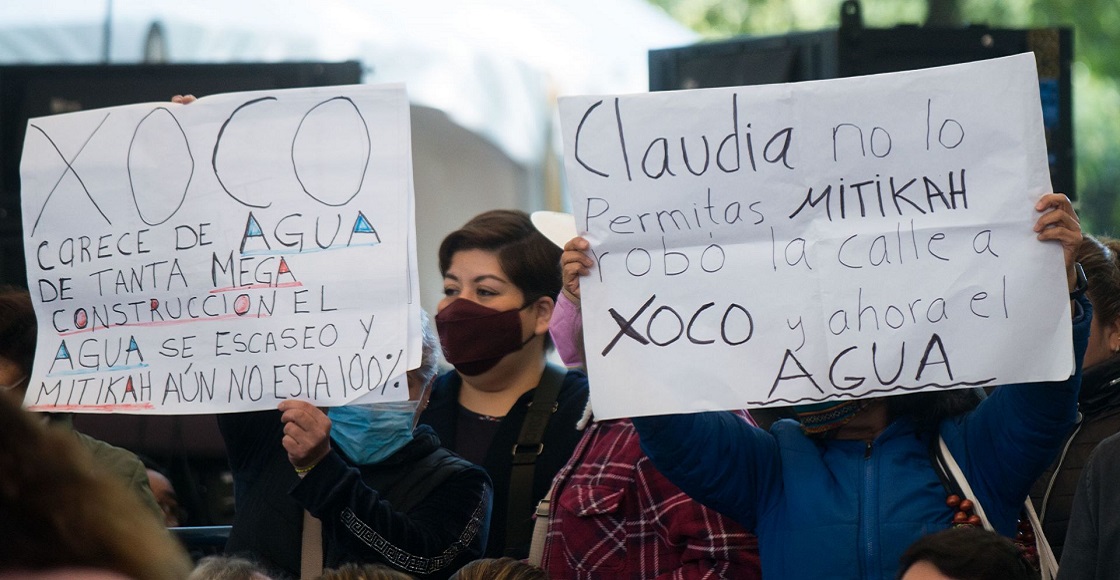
(38, 90)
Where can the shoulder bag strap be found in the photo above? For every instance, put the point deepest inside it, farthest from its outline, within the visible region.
(519, 510)
(1048, 564)
(540, 528)
(954, 471)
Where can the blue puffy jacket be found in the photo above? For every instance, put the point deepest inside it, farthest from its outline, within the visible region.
(849, 509)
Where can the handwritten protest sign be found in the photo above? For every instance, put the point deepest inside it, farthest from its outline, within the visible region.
(794, 243)
(224, 255)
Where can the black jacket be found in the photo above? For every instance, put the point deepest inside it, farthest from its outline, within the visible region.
(560, 439)
(1094, 525)
(1099, 405)
(423, 510)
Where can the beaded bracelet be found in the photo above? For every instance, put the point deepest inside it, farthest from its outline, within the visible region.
(303, 470)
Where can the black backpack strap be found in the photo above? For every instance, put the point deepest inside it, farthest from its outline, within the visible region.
(519, 510)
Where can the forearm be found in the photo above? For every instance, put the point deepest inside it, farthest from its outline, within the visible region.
(444, 530)
(566, 329)
(716, 458)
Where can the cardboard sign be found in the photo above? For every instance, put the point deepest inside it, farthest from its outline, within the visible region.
(796, 243)
(223, 255)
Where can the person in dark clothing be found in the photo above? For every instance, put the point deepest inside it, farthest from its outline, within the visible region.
(382, 489)
(1092, 546)
(1099, 400)
(851, 484)
(503, 407)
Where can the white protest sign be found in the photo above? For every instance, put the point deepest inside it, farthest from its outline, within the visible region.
(795, 243)
(223, 255)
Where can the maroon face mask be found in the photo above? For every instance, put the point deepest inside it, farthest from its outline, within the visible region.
(475, 337)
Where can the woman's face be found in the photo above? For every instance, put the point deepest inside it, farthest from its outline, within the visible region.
(477, 275)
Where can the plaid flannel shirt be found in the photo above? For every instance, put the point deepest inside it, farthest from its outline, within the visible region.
(613, 515)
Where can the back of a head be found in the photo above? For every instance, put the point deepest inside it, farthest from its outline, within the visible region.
(227, 568)
(527, 257)
(1100, 258)
(430, 351)
(363, 572)
(968, 553)
(66, 514)
(500, 569)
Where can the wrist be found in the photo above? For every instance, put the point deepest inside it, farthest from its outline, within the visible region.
(1077, 281)
(571, 297)
(302, 470)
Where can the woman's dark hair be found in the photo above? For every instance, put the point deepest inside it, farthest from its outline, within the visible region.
(928, 409)
(527, 257)
(17, 327)
(969, 553)
(1098, 257)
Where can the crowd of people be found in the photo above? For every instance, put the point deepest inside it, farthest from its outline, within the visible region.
(498, 468)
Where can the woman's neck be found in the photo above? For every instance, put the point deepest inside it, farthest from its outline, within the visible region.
(495, 391)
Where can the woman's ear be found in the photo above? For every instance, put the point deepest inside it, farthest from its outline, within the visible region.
(1114, 336)
(543, 309)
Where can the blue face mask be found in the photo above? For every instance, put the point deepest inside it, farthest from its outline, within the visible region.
(368, 434)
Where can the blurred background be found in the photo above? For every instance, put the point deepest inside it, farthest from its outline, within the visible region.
(483, 77)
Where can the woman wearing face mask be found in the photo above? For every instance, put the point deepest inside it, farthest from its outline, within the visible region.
(360, 483)
(503, 407)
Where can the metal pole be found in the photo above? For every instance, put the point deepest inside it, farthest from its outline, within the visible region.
(107, 32)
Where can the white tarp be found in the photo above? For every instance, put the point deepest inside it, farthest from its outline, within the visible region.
(834, 239)
(493, 66)
(222, 256)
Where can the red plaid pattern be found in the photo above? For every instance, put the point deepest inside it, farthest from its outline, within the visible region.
(613, 515)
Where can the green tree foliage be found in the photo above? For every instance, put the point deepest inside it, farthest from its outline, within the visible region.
(1096, 72)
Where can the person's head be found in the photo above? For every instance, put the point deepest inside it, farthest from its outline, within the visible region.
(926, 410)
(165, 496)
(227, 568)
(1098, 257)
(17, 341)
(420, 378)
(363, 572)
(964, 553)
(63, 513)
(500, 569)
(501, 277)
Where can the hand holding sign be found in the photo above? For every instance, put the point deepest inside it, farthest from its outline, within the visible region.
(575, 262)
(1060, 223)
(307, 431)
